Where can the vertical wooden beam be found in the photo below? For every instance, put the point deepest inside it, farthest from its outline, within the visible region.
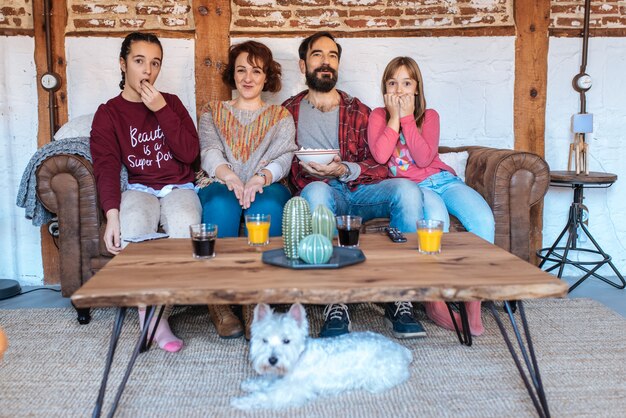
(58, 20)
(212, 19)
(532, 19)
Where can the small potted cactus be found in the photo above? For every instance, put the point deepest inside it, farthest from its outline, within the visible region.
(323, 222)
(315, 249)
(296, 225)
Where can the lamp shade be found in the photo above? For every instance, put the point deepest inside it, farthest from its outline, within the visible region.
(582, 123)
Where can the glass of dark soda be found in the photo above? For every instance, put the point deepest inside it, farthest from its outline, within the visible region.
(203, 238)
(348, 228)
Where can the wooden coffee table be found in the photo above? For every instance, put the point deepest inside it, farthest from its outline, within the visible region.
(163, 272)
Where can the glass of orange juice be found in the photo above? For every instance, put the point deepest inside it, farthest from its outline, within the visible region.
(258, 226)
(429, 232)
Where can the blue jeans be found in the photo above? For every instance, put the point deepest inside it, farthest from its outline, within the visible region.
(400, 200)
(444, 192)
(221, 207)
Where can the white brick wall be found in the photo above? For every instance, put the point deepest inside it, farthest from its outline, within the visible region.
(20, 246)
(94, 78)
(469, 81)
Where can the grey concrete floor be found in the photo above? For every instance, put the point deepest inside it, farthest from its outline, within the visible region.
(613, 298)
(600, 291)
(47, 297)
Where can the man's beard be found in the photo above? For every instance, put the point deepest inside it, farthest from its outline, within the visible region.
(323, 84)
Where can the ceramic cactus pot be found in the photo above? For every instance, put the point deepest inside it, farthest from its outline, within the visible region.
(296, 225)
(323, 222)
(315, 249)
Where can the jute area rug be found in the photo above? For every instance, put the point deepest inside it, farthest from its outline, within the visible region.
(53, 368)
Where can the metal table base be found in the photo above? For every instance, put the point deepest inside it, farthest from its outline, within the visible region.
(532, 382)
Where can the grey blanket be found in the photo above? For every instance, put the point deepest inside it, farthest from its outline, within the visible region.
(27, 193)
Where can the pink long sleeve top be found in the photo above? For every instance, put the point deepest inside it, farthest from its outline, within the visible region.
(409, 153)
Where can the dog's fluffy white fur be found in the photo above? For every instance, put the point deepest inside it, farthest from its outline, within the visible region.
(294, 369)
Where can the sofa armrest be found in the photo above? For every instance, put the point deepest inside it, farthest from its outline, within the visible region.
(513, 183)
(66, 186)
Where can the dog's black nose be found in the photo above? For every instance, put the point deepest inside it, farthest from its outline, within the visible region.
(272, 360)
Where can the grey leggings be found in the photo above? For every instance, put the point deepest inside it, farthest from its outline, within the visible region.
(141, 213)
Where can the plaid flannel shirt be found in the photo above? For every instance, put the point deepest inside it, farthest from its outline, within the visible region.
(353, 146)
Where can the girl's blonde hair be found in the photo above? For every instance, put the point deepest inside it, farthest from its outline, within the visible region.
(414, 72)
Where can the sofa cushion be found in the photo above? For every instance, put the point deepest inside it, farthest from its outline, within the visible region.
(75, 128)
(456, 160)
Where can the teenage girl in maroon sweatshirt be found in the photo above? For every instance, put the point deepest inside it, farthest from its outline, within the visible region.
(153, 136)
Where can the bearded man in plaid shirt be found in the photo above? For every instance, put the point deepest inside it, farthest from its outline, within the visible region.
(353, 183)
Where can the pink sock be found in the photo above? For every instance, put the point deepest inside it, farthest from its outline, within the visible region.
(164, 336)
(439, 314)
(474, 317)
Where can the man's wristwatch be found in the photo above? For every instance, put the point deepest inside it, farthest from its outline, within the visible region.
(344, 177)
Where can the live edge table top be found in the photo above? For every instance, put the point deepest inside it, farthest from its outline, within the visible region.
(164, 272)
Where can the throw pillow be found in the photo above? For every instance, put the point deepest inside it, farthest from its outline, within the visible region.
(75, 128)
(456, 160)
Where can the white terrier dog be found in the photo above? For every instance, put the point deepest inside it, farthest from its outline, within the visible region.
(295, 369)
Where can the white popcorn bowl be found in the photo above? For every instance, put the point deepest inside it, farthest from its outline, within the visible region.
(317, 156)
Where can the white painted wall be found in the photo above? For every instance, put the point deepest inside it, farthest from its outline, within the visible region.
(20, 242)
(607, 144)
(468, 80)
(93, 78)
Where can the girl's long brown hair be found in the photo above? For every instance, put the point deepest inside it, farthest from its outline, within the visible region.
(414, 72)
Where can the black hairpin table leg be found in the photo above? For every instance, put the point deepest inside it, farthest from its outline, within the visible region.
(115, 336)
(464, 334)
(534, 386)
(131, 363)
(145, 346)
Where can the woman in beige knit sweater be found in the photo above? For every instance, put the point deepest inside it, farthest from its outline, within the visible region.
(246, 147)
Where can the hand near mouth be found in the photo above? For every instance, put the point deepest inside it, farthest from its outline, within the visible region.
(407, 104)
(151, 97)
(392, 103)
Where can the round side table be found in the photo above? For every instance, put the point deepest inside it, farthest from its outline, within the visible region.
(558, 254)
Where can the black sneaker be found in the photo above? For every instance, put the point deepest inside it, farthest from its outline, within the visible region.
(399, 317)
(336, 321)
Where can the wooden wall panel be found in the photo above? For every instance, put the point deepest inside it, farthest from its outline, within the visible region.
(212, 41)
(58, 19)
(57, 24)
(532, 19)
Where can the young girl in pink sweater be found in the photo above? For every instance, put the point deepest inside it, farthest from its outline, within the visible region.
(405, 135)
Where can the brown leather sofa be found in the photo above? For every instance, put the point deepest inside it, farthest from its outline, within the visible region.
(512, 182)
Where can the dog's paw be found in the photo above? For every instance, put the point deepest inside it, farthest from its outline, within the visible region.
(242, 403)
(256, 384)
(250, 385)
(245, 403)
